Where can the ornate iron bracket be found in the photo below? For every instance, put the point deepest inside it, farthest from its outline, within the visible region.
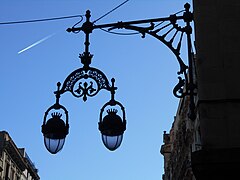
(168, 31)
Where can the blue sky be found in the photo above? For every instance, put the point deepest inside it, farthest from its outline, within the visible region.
(145, 73)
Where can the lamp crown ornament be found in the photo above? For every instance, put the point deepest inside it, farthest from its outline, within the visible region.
(56, 115)
(112, 111)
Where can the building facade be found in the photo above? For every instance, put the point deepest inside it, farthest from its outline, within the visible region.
(217, 30)
(183, 139)
(14, 162)
(208, 148)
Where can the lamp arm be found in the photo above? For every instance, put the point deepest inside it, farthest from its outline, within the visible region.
(169, 33)
(169, 28)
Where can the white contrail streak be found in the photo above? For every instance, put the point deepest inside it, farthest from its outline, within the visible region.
(36, 43)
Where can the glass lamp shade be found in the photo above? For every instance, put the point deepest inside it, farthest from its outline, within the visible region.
(112, 142)
(54, 145)
(112, 128)
(54, 132)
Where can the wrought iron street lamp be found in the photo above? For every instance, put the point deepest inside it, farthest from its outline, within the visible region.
(88, 81)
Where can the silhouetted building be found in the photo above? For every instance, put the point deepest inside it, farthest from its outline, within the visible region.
(217, 30)
(208, 148)
(14, 162)
(179, 143)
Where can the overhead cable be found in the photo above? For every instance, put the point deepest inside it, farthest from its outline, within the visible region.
(39, 20)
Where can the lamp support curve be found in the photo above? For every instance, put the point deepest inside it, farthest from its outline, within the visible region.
(169, 32)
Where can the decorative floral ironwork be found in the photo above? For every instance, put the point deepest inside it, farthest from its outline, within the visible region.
(80, 78)
(85, 90)
(100, 78)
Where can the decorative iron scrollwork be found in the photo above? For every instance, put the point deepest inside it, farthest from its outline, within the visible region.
(171, 31)
(85, 90)
(79, 85)
(178, 89)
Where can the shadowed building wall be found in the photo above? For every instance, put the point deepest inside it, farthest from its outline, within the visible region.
(179, 144)
(217, 28)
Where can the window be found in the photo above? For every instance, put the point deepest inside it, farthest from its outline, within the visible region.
(7, 172)
(12, 173)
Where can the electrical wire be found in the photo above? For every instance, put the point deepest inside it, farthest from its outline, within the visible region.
(116, 33)
(59, 18)
(77, 24)
(81, 16)
(111, 11)
(69, 17)
(40, 20)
